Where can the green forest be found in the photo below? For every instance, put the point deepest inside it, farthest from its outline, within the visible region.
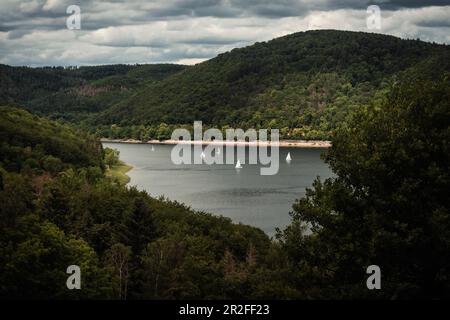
(304, 84)
(73, 94)
(388, 204)
(383, 102)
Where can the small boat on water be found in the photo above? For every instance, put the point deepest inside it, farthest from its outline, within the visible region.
(153, 148)
(289, 158)
(203, 156)
(238, 165)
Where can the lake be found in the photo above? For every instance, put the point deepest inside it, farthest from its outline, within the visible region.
(242, 195)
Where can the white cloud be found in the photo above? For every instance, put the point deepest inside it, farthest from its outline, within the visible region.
(189, 61)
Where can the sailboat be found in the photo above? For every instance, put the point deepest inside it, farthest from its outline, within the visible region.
(203, 156)
(238, 165)
(218, 150)
(289, 158)
(153, 148)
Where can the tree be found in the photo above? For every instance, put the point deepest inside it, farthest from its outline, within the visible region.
(119, 257)
(52, 164)
(163, 132)
(160, 259)
(388, 204)
(111, 157)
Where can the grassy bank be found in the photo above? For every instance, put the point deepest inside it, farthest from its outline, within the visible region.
(119, 172)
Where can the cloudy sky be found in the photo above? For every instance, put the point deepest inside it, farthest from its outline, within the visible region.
(35, 33)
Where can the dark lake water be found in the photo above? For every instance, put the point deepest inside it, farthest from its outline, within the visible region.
(242, 195)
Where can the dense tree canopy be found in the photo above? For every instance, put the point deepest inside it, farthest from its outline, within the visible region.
(75, 93)
(64, 211)
(304, 84)
(388, 205)
(27, 142)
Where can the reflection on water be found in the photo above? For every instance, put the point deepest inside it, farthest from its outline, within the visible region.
(242, 195)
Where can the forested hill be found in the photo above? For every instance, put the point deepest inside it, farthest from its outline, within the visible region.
(29, 143)
(58, 208)
(304, 83)
(75, 93)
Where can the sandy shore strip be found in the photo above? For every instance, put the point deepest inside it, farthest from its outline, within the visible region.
(281, 144)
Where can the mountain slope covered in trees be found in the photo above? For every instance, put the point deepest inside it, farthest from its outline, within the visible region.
(75, 93)
(304, 84)
(59, 209)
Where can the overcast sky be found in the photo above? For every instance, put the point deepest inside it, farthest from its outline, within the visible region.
(34, 32)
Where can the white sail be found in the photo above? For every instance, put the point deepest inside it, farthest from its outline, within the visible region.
(218, 150)
(153, 148)
(203, 156)
(289, 158)
(238, 165)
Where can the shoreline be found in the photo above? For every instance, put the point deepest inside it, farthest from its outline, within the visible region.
(281, 144)
(120, 172)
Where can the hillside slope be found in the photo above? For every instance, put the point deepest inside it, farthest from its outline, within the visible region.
(76, 93)
(59, 209)
(34, 144)
(306, 82)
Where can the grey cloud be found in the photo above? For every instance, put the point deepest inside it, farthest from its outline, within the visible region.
(121, 12)
(18, 33)
(435, 24)
(397, 4)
